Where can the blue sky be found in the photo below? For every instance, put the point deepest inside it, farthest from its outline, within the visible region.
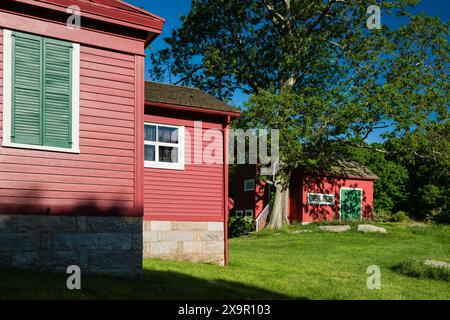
(171, 10)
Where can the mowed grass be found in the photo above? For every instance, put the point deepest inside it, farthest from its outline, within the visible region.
(282, 265)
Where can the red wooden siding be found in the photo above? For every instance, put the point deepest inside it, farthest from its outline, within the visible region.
(193, 194)
(245, 200)
(103, 174)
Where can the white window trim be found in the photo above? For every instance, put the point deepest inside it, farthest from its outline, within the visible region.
(239, 213)
(7, 94)
(180, 145)
(250, 211)
(321, 202)
(245, 185)
(340, 197)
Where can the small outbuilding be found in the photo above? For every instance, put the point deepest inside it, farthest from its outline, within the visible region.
(343, 193)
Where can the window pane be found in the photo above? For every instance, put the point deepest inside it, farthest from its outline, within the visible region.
(249, 185)
(168, 135)
(149, 153)
(329, 199)
(168, 154)
(150, 133)
(314, 198)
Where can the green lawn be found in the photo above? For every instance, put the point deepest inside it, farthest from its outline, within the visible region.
(315, 265)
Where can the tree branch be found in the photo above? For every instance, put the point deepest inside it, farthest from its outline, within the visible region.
(186, 77)
(320, 18)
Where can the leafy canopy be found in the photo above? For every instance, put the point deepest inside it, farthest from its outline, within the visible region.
(314, 70)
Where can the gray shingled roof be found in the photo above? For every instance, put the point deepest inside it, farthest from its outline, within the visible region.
(183, 96)
(351, 169)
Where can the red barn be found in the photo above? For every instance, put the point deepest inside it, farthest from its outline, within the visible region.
(345, 193)
(82, 159)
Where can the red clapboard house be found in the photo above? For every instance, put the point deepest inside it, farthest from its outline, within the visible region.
(345, 192)
(87, 148)
(186, 189)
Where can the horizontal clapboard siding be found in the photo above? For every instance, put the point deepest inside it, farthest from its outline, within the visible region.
(102, 175)
(196, 193)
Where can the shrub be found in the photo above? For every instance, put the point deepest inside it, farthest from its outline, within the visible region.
(433, 203)
(418, 269)
(240, 226)
(399, 216)
(438, 215)
(433, 215)
(381, 215)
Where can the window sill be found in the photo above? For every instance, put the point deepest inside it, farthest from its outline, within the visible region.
(42, 148)
(150, 165)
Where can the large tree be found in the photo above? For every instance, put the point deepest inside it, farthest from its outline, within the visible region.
(314, 71)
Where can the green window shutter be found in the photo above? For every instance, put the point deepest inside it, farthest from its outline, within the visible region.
(57, 98)
(26, 89)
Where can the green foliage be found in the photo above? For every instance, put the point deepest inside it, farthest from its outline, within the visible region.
(438, 215)
(238, 226)
(391, 189)
(414, 174)
(430, 196)
(418, 269)
(399, 216)
(381, 215)
(425, 154)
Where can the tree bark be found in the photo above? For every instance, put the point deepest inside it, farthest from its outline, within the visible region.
(278, 216)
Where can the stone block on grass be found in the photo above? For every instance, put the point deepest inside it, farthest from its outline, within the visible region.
(368, 228)
(337, 229)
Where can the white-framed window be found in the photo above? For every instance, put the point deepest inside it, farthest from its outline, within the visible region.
(163, 146)
(321, 198)
(239, 213)
(41, 93)
(249, 213)
(249, 185)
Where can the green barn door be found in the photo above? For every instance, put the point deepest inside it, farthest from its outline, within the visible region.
(351, 204)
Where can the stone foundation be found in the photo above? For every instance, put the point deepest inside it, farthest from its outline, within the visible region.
(184, 240)
(106, 245)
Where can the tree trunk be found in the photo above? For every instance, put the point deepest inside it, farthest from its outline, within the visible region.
(279, 211)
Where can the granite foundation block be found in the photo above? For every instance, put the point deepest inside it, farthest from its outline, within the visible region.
(106, 245)
(184, 240)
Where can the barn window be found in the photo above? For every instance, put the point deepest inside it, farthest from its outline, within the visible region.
(239, 213)
(321, 198)
(249, 185)
(249, 213)
(163, 146)
(41, 92)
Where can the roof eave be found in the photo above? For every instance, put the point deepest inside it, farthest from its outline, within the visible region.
(231, 114)
(153, 26)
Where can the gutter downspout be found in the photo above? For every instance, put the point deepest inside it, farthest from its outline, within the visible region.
(225, 173)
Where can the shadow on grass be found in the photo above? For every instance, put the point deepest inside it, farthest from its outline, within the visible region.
(21, 284)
